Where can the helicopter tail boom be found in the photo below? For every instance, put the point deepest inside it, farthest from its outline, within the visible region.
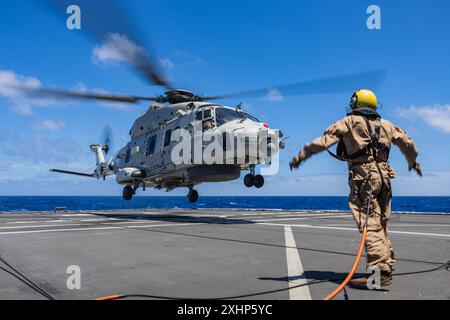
(103, 167)
(89, 175)
(98, 150)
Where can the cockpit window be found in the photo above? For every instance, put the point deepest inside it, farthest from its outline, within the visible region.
(203, 115)
(224, 115)
(250, 116)
(207, 114)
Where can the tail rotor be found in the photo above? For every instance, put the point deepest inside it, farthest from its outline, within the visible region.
(106, 139)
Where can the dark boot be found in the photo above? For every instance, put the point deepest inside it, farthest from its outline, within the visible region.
(386, 278)
(361, 283)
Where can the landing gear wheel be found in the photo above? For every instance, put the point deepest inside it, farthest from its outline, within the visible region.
(249, 180)
(259, 181)
(127, 193)
(193, 196)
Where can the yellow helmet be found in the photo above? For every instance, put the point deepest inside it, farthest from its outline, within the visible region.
(363, 99)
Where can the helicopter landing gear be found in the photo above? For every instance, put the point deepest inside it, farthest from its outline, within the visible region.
(249, 180)
(252, 180)
(259, 181)
(192, 195)
(127, 193)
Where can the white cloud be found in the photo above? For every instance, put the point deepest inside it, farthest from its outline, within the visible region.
(49, 125)
(433, 183)
(10, 83)
(12, 86)
(274, 95)
(117, 48)
(38, 149)
(166, 63)
(185, 58)
(437, 116)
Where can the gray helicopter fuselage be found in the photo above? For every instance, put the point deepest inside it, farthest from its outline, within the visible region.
(146, 161)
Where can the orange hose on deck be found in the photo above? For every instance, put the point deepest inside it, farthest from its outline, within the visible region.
(113, 297)
(352, 272)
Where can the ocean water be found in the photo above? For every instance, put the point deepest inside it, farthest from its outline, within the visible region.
(48, 203)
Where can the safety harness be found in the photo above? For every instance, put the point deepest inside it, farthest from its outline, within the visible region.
(374, 146)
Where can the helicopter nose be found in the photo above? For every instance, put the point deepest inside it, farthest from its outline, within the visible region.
(254, 144)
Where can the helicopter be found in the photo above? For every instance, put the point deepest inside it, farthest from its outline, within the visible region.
(147, 159)
(241, 141)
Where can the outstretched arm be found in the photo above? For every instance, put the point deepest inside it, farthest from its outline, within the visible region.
(330, 137)
(407, 147)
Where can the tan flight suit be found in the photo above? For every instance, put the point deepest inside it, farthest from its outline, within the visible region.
(355, 134)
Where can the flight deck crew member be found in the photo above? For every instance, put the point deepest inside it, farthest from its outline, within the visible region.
(364, 142)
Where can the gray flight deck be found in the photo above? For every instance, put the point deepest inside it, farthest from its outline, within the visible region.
(212, 254)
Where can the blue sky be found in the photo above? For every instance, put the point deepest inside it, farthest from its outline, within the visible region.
(221, 47)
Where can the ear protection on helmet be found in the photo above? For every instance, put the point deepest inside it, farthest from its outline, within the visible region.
(353, 101)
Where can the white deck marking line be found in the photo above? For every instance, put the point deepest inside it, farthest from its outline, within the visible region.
(135, 222)
(121, 221)
(270, 213)
(41, 226)
(94, 219)
(58, 230)
(19, 222)
(296, 213)
(99, 228)
(391, 225)
(354, 229)
(295, 269)
(41, 221)
(295, 218)
(33, 221)
(76, 224)
(78, 220)
(421, 233)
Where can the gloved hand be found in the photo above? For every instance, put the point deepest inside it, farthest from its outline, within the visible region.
(416, 167)
(295, 163)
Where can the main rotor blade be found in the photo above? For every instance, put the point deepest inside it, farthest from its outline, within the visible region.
(345, 83)
(59, 93)
(106, 20)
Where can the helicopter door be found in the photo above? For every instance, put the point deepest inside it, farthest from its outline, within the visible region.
(152, 153)
(206, 118)
(166, 146)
